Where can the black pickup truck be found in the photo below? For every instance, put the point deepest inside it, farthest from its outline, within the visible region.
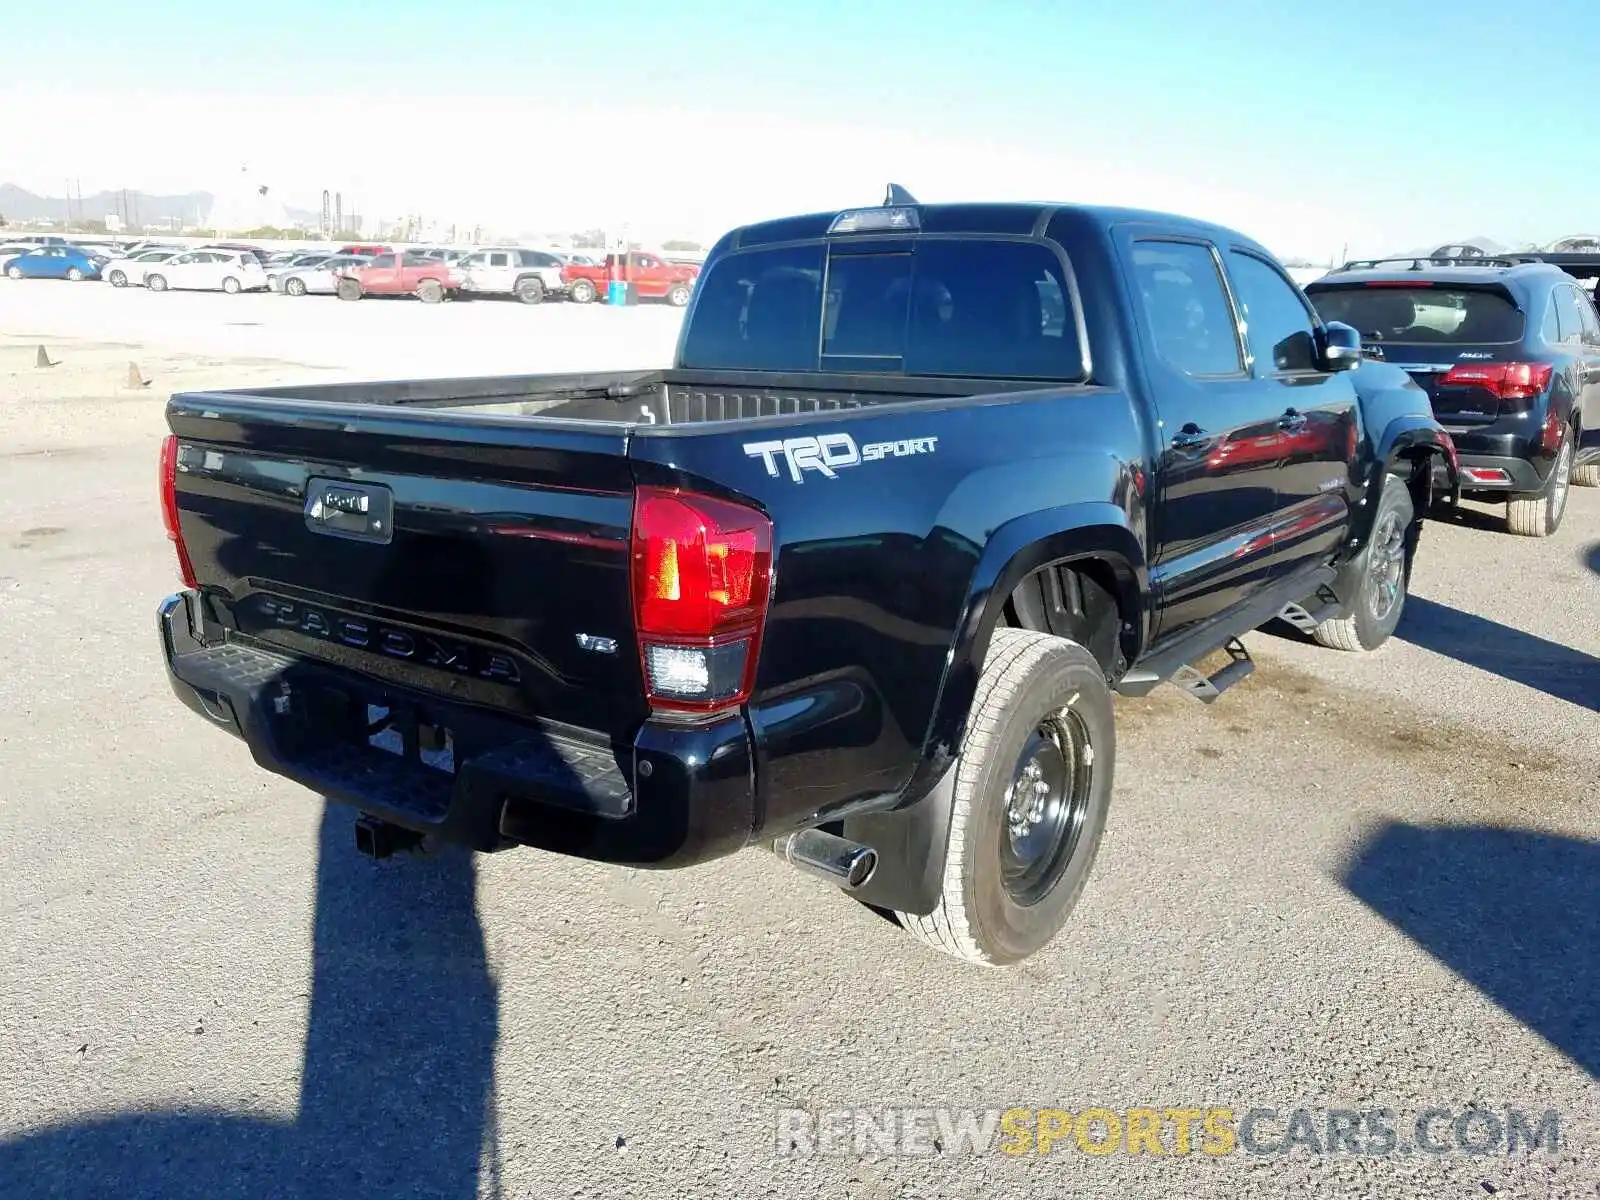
(854, 579)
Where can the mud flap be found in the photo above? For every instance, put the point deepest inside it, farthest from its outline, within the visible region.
(911, 843)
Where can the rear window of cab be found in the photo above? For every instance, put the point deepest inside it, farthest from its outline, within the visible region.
(991, 309)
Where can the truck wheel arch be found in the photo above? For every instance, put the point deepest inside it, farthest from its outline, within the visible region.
(1097, 536)
(911, 840)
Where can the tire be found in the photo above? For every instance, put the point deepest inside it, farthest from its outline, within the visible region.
(678, 296)
(294, 286)
(1539, 515)
(156, 283)
(1385, 576)
(1036, 694)
(348, 289)
(530, 290)
(14, 272)
(74, 275)
(1587, 476)
(582, 292)
(117, 279)
(430, 291)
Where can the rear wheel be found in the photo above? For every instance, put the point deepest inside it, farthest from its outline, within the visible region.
(430, 291)
(1587, 475)
(530, 290)
(1539, 515)
(294, 286)
(156, 283)
(582, 292)
(231, 286)
(74, 274)
(348, 289)
(1381, 596)
(117, 279)
(1032, 790)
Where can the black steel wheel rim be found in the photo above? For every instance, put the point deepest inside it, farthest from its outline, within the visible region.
(1046, 807)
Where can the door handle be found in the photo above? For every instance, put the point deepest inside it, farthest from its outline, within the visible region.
(1292, 421)
(1190, 437)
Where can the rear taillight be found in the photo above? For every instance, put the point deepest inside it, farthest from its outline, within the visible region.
(702, 576)
(1504, 381)
(169, 508)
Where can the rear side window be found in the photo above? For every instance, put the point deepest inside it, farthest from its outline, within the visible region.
(989, 309)
(1567, 314)
(383, 260)
(1451, 316)
(1591, 320)
(1190, 320)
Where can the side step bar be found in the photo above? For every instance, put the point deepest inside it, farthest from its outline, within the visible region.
(1206, 688)
(1313, 612)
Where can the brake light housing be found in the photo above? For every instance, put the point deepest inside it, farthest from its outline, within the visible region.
(1505, 381)
(169, 509)
(701, 576)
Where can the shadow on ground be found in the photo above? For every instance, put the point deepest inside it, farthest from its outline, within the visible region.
(396, 1091)
(1591, 558)
(1513, 912)
(1524, 658)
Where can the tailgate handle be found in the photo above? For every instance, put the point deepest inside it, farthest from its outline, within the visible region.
(361, 512)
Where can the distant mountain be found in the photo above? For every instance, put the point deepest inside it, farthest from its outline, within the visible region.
(19, 204)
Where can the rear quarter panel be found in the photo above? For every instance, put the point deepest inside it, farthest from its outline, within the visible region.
(878, 569)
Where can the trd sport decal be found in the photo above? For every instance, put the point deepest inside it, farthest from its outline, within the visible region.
(831, 453)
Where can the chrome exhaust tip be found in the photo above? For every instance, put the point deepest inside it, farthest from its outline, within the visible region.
(840, 861)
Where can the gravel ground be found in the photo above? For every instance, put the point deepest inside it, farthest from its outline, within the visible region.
(1354, 882)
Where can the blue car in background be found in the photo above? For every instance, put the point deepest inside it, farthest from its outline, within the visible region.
(57, 262)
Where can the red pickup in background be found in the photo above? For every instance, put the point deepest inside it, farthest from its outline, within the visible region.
(652, 278)
(408, 273)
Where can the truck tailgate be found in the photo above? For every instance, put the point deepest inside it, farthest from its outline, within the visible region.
(484, 561)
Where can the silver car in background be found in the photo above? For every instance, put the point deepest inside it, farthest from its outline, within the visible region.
(319, 278)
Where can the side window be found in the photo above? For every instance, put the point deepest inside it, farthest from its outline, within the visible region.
(1278, 329)
(383, 260)
(1550, 327)
(1567, 314)
(501, 259)
(1190, 320)
(1590, 319)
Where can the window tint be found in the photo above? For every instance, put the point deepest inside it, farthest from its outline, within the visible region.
(1422, 315)
(499, 260)
(383, 260)
(996, 310)
(1190, 320)
(536, 258)
(1567, 314)
(759, 310)
(1277, 325)
(989, 309)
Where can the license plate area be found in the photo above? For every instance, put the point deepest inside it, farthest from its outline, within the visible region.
(408, 733)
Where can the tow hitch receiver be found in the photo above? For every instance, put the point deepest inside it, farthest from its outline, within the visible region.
(382, 839)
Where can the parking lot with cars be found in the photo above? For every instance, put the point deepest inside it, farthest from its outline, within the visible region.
(1353, 882)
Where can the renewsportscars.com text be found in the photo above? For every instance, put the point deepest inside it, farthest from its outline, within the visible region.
(1169, 1131)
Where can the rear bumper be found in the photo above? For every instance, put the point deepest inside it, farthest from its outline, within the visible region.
(1499, 473)
(674, 796)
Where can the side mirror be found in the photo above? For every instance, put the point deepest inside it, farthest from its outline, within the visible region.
(1341, 347)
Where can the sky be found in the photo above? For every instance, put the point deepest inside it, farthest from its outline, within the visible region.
(1366, 125)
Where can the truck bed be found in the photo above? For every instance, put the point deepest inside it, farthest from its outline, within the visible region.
(638, 398)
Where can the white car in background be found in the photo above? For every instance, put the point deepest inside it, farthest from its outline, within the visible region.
(208, 271)
(529, 275)
(120, 272)
(318, 278)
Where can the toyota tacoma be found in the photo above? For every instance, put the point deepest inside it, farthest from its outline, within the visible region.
(854, 579)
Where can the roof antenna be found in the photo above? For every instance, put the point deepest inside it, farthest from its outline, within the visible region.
(897, 195)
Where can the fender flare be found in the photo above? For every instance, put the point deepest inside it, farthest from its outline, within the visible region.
(911, 838)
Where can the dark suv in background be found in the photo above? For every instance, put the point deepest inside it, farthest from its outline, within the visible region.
(1509, 354)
